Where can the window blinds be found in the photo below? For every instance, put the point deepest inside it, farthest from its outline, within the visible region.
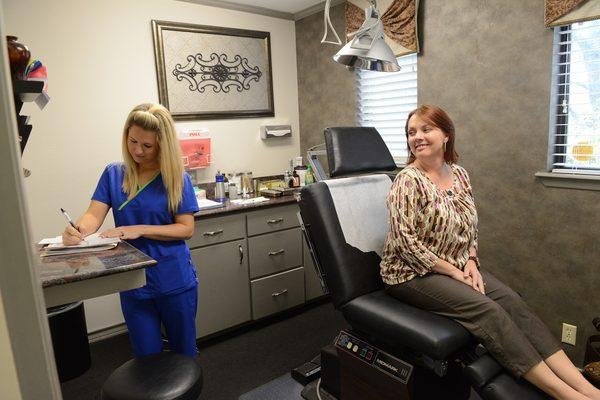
(383, 101)
(575, 111)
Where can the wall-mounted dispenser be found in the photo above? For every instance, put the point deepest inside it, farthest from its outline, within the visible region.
(275, 131)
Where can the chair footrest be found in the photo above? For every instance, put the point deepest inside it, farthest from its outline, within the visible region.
(492, 382)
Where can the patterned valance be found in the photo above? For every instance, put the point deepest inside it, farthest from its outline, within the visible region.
(399, 18)
(564, 12)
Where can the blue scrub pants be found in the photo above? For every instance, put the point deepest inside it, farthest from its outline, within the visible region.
(177, 313)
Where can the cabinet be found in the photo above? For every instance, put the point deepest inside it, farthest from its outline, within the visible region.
(250, 265)
(223, 291)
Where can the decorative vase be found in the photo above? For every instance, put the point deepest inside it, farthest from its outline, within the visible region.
(18, 55)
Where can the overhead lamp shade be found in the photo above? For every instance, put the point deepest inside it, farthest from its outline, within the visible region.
(376, 57)
(399, 19)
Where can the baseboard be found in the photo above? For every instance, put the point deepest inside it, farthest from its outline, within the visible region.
(107, 333)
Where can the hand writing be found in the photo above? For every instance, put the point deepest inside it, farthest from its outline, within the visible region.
(71, 236)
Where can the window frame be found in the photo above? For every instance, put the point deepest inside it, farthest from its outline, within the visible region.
(569, 178)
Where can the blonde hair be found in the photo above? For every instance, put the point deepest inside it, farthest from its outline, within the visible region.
(156, 118)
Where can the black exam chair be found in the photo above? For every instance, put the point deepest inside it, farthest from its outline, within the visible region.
(434, 344)
(162, 376)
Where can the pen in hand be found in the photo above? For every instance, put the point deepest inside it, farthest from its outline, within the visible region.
(70, 221)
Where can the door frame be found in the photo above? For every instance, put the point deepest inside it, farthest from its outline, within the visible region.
(20, 288)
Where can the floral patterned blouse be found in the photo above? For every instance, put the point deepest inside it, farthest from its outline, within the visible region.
(427, 223)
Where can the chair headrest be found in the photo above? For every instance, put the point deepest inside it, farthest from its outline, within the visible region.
(354, 149)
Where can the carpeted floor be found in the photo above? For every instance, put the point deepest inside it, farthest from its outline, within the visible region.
(254, 363)
(232, 366)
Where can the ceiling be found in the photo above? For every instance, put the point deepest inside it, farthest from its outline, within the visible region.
(286, 9)
(287, 6)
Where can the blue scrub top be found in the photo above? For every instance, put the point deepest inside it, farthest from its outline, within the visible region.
(175, 271)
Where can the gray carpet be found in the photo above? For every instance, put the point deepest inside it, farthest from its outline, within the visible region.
(286, 388)
(282, 388)
(235, 364)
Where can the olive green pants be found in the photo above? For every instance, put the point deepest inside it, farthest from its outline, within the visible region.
(500, 320)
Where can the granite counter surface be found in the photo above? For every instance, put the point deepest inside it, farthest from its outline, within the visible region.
(230, 208)
(59, 270)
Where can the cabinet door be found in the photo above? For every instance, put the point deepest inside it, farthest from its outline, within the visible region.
(311, 279)
(223, 286)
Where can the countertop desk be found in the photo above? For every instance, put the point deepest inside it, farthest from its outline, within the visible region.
(69, 278)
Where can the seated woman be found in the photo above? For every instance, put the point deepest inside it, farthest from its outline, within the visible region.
(430, 261)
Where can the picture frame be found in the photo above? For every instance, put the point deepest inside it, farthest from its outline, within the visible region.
(210, 72)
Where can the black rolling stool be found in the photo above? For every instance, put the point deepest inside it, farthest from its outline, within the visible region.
(163, 376)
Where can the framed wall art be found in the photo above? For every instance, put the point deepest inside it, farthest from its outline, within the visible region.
(209, 72)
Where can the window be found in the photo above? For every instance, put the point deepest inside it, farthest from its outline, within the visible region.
(575, 109)
(383, 101)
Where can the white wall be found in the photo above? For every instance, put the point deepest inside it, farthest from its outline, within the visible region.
(100, 61)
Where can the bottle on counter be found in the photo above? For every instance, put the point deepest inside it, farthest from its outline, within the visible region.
(287, 179)
(309, 177)
(295, 179)
(220, 187)
(301, 171)
(233, 191)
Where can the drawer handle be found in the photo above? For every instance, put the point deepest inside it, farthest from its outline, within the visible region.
(274, 221)
(213, 233)
(275, 294)
(274, 253)
(241, 249)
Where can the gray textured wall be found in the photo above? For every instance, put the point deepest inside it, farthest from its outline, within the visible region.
(325, 88)
(488, 63)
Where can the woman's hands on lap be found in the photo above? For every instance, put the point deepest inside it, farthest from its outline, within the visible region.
(471, 271)
(459, 276)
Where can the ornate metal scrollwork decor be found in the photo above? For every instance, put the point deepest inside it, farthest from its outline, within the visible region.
(218, 72)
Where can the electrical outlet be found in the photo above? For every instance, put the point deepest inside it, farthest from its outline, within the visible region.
(569, 334)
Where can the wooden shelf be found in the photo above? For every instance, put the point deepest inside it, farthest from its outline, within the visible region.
(25, 91)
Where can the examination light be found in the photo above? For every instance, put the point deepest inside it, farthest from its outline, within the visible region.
(367, 50)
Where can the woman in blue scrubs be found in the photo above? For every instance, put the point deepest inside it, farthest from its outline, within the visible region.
(153, 203)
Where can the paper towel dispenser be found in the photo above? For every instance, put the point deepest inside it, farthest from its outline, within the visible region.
(275, 131)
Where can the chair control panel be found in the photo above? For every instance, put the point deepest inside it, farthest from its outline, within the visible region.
(363, 351)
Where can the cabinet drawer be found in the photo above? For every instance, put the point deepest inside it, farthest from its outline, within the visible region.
(275, 252)
(272, 219)
(217, 230)
(223, 286)
(278, 292)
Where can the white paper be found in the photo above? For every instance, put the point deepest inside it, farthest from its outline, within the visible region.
(57, 239)
(254, 200)
(205, 204)
(93, 240)
(361, 209)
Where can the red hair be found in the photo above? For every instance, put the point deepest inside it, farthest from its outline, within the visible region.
(437, 117)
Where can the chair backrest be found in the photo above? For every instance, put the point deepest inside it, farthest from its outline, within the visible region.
(352, 150)
(348, 271)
